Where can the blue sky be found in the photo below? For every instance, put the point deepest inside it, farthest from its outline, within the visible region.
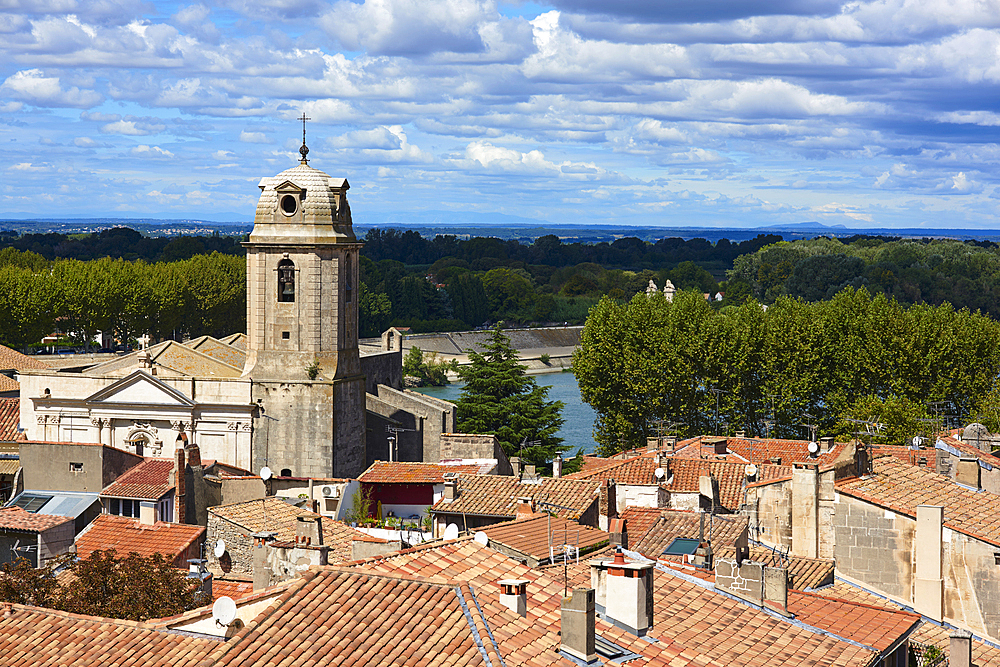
(635, 112)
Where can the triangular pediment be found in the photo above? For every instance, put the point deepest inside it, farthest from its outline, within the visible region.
(140, 387)
(288, 186)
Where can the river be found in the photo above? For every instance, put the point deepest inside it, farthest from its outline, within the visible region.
(578, 430)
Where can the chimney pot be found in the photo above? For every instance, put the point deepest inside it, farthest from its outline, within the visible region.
(450, 489)
(826, 443)
(515, 463)
(514, 595)
(741, 434)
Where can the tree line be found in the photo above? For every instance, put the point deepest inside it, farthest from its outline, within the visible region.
(965, 274)
(205, 294)
(649, 364)
(121, 242)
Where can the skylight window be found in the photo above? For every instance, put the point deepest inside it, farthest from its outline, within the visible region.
(31, 503)
(681, 546)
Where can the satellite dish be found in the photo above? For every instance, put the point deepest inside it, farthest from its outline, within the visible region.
(482, 538)
(265, 473)
(220, 549)
(224, 610)
(750, 470)
(451, 532)
(813, 449)
(659, 473)
(917, 441)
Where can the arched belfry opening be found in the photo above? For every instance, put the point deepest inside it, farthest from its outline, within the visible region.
(286, 281)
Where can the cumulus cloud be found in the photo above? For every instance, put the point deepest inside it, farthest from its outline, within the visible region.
(150, 151)
(254, 137)
(35, 88)
(134, 127)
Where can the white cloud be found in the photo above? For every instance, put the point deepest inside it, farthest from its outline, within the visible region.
(33, 87)
(150, 151)
(85, 142)
(133, 128)
(254, 137)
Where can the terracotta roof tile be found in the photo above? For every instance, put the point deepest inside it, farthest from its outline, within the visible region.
(9, 384)
(758, 450)
(496, 495)
(15, 518)
(902, 487)
(694, 625)
(969, 450)
(37, 637)
(126, 535)
(231, 588)
(147, 480)
(382, 472)
(638, 521)
(350, 617)
(671, 524)
(10, 417)
(273, 514)
(531, 536)
(14, 360)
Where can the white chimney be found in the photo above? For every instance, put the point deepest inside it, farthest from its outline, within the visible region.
(628, 586)
(514, 595)
(147, 513)
(557, 464)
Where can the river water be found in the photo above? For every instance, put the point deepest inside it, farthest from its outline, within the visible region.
(578, 430)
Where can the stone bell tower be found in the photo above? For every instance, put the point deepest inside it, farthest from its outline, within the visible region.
(302, 320)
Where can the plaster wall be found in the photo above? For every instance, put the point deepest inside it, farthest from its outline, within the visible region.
(46, 466)
(56, 541)
(770, 514)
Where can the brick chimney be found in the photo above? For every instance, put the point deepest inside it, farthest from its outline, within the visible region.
(147, 513)
(179, 496)
(619, 533)
(514, 595)
(524, 508)
(607, 510)
(576, 625)
(960, 649)
(193, 455)
(629, 593)
(309, 530)
(515, 463)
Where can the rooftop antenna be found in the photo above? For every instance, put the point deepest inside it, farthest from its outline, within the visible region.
(393, 439)
(304, 151)
(812, 427)
(717, 391)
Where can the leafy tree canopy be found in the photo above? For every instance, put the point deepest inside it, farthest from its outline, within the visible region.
(500, 399)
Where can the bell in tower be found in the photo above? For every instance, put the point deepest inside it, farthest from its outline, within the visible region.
(302, 323)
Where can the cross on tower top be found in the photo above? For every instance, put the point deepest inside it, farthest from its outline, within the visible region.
(304, 151)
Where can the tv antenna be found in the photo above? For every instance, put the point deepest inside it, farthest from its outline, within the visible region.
(717, 391)
(393, 440)
(812, 427)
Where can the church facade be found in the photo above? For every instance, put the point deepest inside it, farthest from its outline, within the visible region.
(294, 393)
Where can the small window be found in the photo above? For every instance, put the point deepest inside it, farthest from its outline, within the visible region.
(285, 335)
(681, 546)
(286, 281)
(289, 204)
(286, 472)
(75, 467)
(115, 507)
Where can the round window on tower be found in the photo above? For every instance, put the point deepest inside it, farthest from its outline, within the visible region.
(289, 204)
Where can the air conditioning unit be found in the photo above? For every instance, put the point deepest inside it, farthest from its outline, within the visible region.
(329, 491)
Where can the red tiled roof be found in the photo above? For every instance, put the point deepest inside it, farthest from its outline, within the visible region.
(533, 536)
(350, 617)
(10, 417)
(126, 535)
(722, 530)
(902, 487)
(382, 472)
(231, 588)
(9, 384)
(38, 637)
(14, 360)
(148, 480)
(496, 495)
(638, 521)
(758, 450)
(15, 518)
(693, 624)
(969, 450)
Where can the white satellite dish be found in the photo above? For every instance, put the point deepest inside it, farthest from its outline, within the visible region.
(659, 472)
(265, 473)
(224, 610)
(451, 532)
(917, 441)
(481, 537)
(220, 549)
(750, 470)
(813, 449)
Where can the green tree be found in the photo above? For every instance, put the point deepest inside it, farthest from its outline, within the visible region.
(499, 399)
(374, 312)
(27, 302)
(509, 293)
(430, 371)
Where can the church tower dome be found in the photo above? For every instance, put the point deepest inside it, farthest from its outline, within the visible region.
(302, 325)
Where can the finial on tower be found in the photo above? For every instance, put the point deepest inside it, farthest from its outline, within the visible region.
(304, 151)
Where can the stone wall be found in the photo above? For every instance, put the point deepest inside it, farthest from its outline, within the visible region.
(971, 584)
(382, 368)
(873, 547)
(770, 513)
(428, 417)
(238, 545)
